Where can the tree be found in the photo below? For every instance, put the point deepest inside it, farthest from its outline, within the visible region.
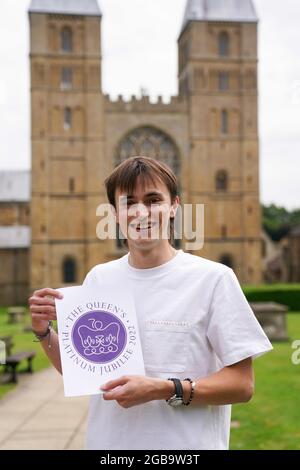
(278, 221)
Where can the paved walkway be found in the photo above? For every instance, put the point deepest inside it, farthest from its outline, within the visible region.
(36, 415)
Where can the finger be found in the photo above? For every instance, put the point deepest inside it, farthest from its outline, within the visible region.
(114, 383)
(109, 396)
(41, 301)
(43, 316)
(48, 291)
(114, 394)
(42, 309)
(124, 404)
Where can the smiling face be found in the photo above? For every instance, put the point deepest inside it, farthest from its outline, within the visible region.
(144, 215)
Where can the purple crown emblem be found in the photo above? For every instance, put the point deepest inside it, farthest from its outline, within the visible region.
(97, 339)
(99, 336)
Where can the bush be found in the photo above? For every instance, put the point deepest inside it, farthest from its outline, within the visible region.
(286, 294)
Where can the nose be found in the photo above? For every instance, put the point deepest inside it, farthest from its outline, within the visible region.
(142, 211)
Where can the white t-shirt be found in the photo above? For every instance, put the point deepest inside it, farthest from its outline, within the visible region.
(194, 320)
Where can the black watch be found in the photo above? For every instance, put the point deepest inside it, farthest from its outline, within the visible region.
(177, 399)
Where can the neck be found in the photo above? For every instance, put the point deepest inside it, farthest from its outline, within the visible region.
(151, 257)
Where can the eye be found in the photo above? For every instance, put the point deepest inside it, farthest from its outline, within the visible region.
(127, 203)
(155, 200)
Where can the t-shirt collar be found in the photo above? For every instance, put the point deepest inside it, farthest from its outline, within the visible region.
(147, 273)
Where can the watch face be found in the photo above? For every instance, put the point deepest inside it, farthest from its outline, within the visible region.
(175, 401)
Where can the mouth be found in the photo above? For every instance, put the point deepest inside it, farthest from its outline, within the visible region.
(143, 227)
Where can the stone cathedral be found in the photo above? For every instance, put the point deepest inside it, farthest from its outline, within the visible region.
(208, 135)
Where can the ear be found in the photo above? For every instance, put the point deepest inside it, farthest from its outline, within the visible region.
(172, 213)
(174, 207)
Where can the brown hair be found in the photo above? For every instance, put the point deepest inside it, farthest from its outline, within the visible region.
(124, 178)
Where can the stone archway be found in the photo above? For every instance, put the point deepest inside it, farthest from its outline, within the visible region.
(149, 142)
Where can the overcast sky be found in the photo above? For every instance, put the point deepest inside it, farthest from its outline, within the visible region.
(140, 50)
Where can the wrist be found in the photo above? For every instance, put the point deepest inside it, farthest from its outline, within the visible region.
(40, 327)
(46, 335)
(163, 389)
(39, 331)
(41, 334)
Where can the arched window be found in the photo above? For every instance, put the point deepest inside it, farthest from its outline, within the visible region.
(150, 142)
(66, 78)
(224, 121)
(69, 270)
(67, 118)
(66, 39)
(223, 81)
(227, 260)
(223, 44)
(71, 185)
(221, 180)
(224, 231)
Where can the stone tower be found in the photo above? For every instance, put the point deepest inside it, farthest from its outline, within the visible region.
(67, 138)
(218, 77)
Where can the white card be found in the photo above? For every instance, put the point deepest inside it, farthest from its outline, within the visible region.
(98, 337)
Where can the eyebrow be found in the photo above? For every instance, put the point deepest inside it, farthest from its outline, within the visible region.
(152, 193)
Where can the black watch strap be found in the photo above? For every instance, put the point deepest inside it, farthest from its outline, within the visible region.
(178, 387)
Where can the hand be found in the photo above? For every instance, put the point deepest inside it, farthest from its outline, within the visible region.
(42, 308)
(135, 390)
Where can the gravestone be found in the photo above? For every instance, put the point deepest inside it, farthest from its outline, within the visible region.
(2, 352)
(273, 319)
(16, 314)
(8, 343)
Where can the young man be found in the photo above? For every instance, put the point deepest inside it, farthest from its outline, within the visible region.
(197, 330)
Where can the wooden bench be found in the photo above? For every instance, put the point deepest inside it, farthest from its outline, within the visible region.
(13, 361)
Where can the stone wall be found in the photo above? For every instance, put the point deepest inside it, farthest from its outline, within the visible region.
(14, 276)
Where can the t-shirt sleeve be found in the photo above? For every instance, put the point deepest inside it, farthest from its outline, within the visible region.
(233, 330)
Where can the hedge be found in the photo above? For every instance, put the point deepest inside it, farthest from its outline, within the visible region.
(286, 294)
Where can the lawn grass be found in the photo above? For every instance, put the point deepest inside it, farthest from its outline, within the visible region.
(22, 341)
(272, 419)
